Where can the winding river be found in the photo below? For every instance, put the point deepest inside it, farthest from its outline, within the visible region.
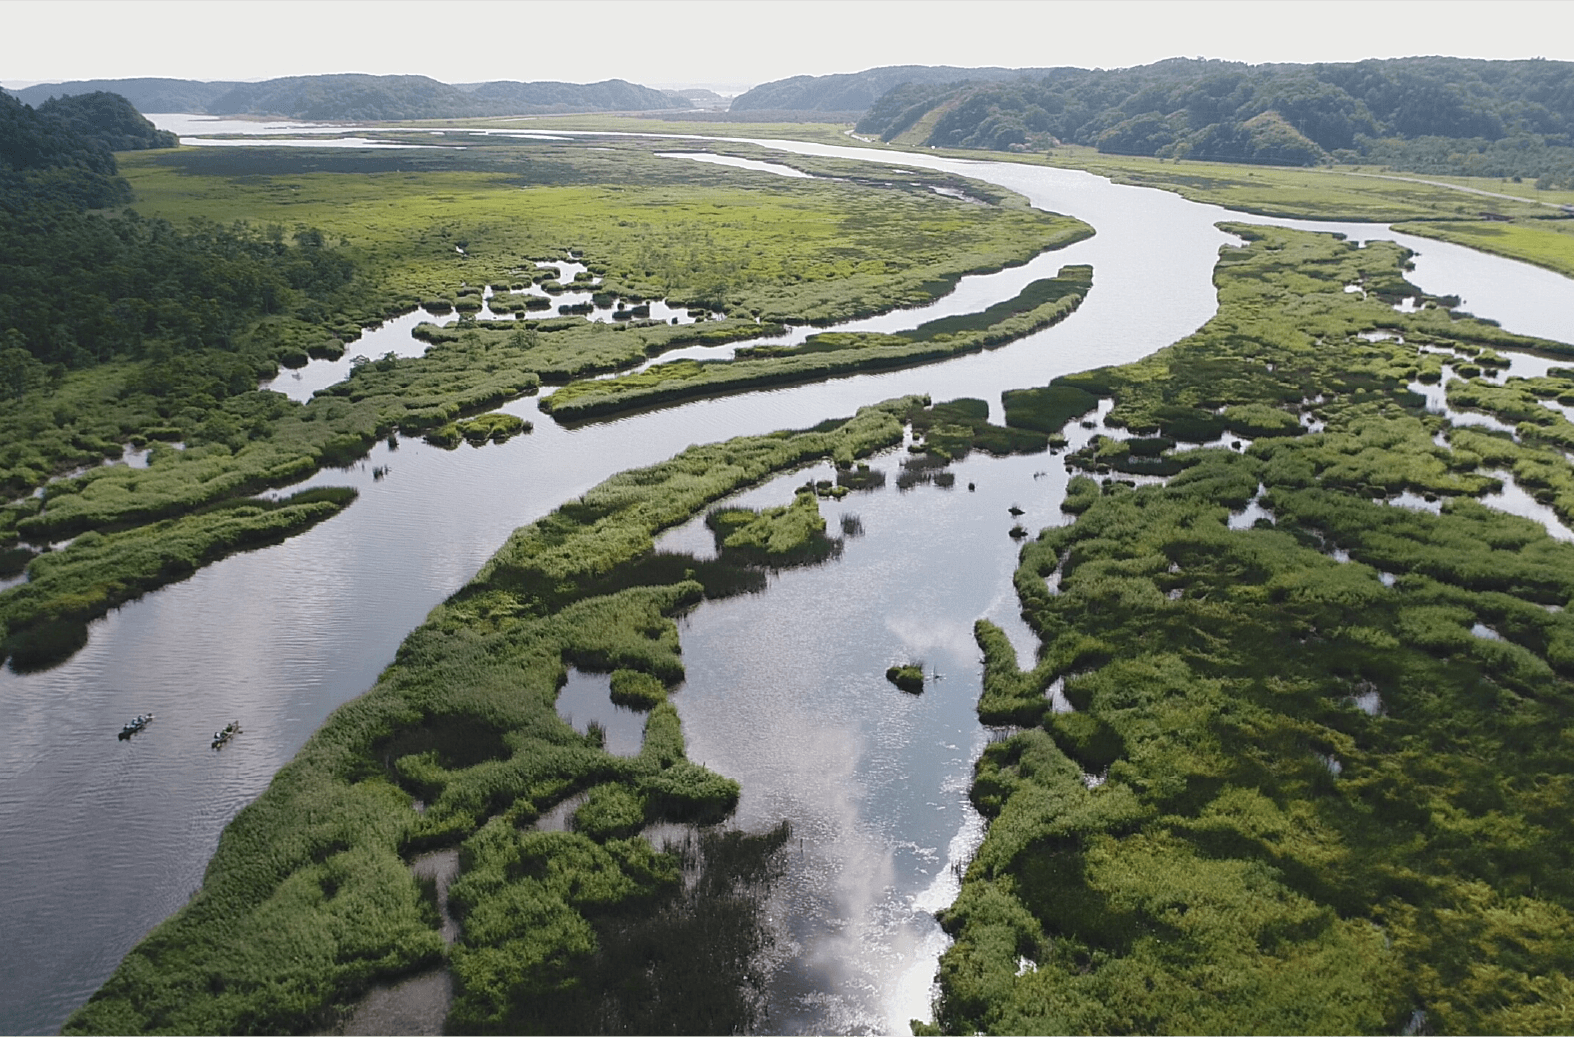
(99, 839)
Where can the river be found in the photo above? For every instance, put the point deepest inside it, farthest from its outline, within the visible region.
(102, 839)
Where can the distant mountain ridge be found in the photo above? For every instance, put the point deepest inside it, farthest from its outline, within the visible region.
(857, 91)
(145, 95)
(352, 96)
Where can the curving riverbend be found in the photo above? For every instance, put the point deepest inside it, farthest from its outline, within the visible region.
(103, 839)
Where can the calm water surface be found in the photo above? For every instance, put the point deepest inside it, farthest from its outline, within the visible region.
(102, 839)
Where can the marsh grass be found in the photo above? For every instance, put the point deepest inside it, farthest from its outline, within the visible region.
(1546, 243)
(309, 899)
(1040, 305)
(427, 229)
(689, 962)
(791, 535)
(1219, 838)
(1320, 194)
(862, 477)
(45, 619)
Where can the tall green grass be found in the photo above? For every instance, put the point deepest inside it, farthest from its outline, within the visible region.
(1041, 304)
(1296, 793)
(45, 619)
(309, 898)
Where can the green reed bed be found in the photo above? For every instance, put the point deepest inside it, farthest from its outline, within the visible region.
(788, 535)
(829, 355)
(45, 619)
(309, 898)
(1296, 793)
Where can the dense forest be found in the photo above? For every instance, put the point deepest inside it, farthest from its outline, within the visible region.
(351, 96)
(1438, 115)
(79, 287)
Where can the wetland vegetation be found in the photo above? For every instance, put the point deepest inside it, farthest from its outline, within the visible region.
(831, 354)
(310, 899)
(157, 324)
(1307, 779)
(46, 618)
(1364, 835)
(459, 745)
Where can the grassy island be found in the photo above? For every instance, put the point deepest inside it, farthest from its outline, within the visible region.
(1313, 776)
(310, 897)
(832, 354)
(375, 235)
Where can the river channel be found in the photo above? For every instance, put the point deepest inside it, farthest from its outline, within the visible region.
(100, 839)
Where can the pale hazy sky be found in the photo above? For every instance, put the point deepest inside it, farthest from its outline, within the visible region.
(738, 43)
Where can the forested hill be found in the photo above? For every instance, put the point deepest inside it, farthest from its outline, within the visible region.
(1434, 114)
(61, 151)
(109, 119)
(362, 97)
(857, 91)
(79, 287)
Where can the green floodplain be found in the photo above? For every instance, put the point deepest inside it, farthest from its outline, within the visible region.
(321, 244)
(1315, 777)
(1297, 794)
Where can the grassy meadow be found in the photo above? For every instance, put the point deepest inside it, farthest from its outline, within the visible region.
(1545, 243)
(651, 227)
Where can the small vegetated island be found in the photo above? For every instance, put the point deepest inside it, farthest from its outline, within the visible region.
(148, 327)
(1314, 775)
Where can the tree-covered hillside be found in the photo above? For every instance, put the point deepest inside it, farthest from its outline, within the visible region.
(79, 287)
(108, 118)
(857, 91)
(61, 152)
(337, 97)
(1455, 115)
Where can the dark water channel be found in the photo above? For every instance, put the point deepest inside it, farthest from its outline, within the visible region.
(101, 839)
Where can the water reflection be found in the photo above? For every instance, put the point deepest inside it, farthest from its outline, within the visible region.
(737, 163)
(102, 839)
(587, 700)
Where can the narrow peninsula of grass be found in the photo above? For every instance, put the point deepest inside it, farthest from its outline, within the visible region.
(828, 355)
(1337, 193)
(310, 898)
(45, 619)
(1313, 773)
(1542, 242)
